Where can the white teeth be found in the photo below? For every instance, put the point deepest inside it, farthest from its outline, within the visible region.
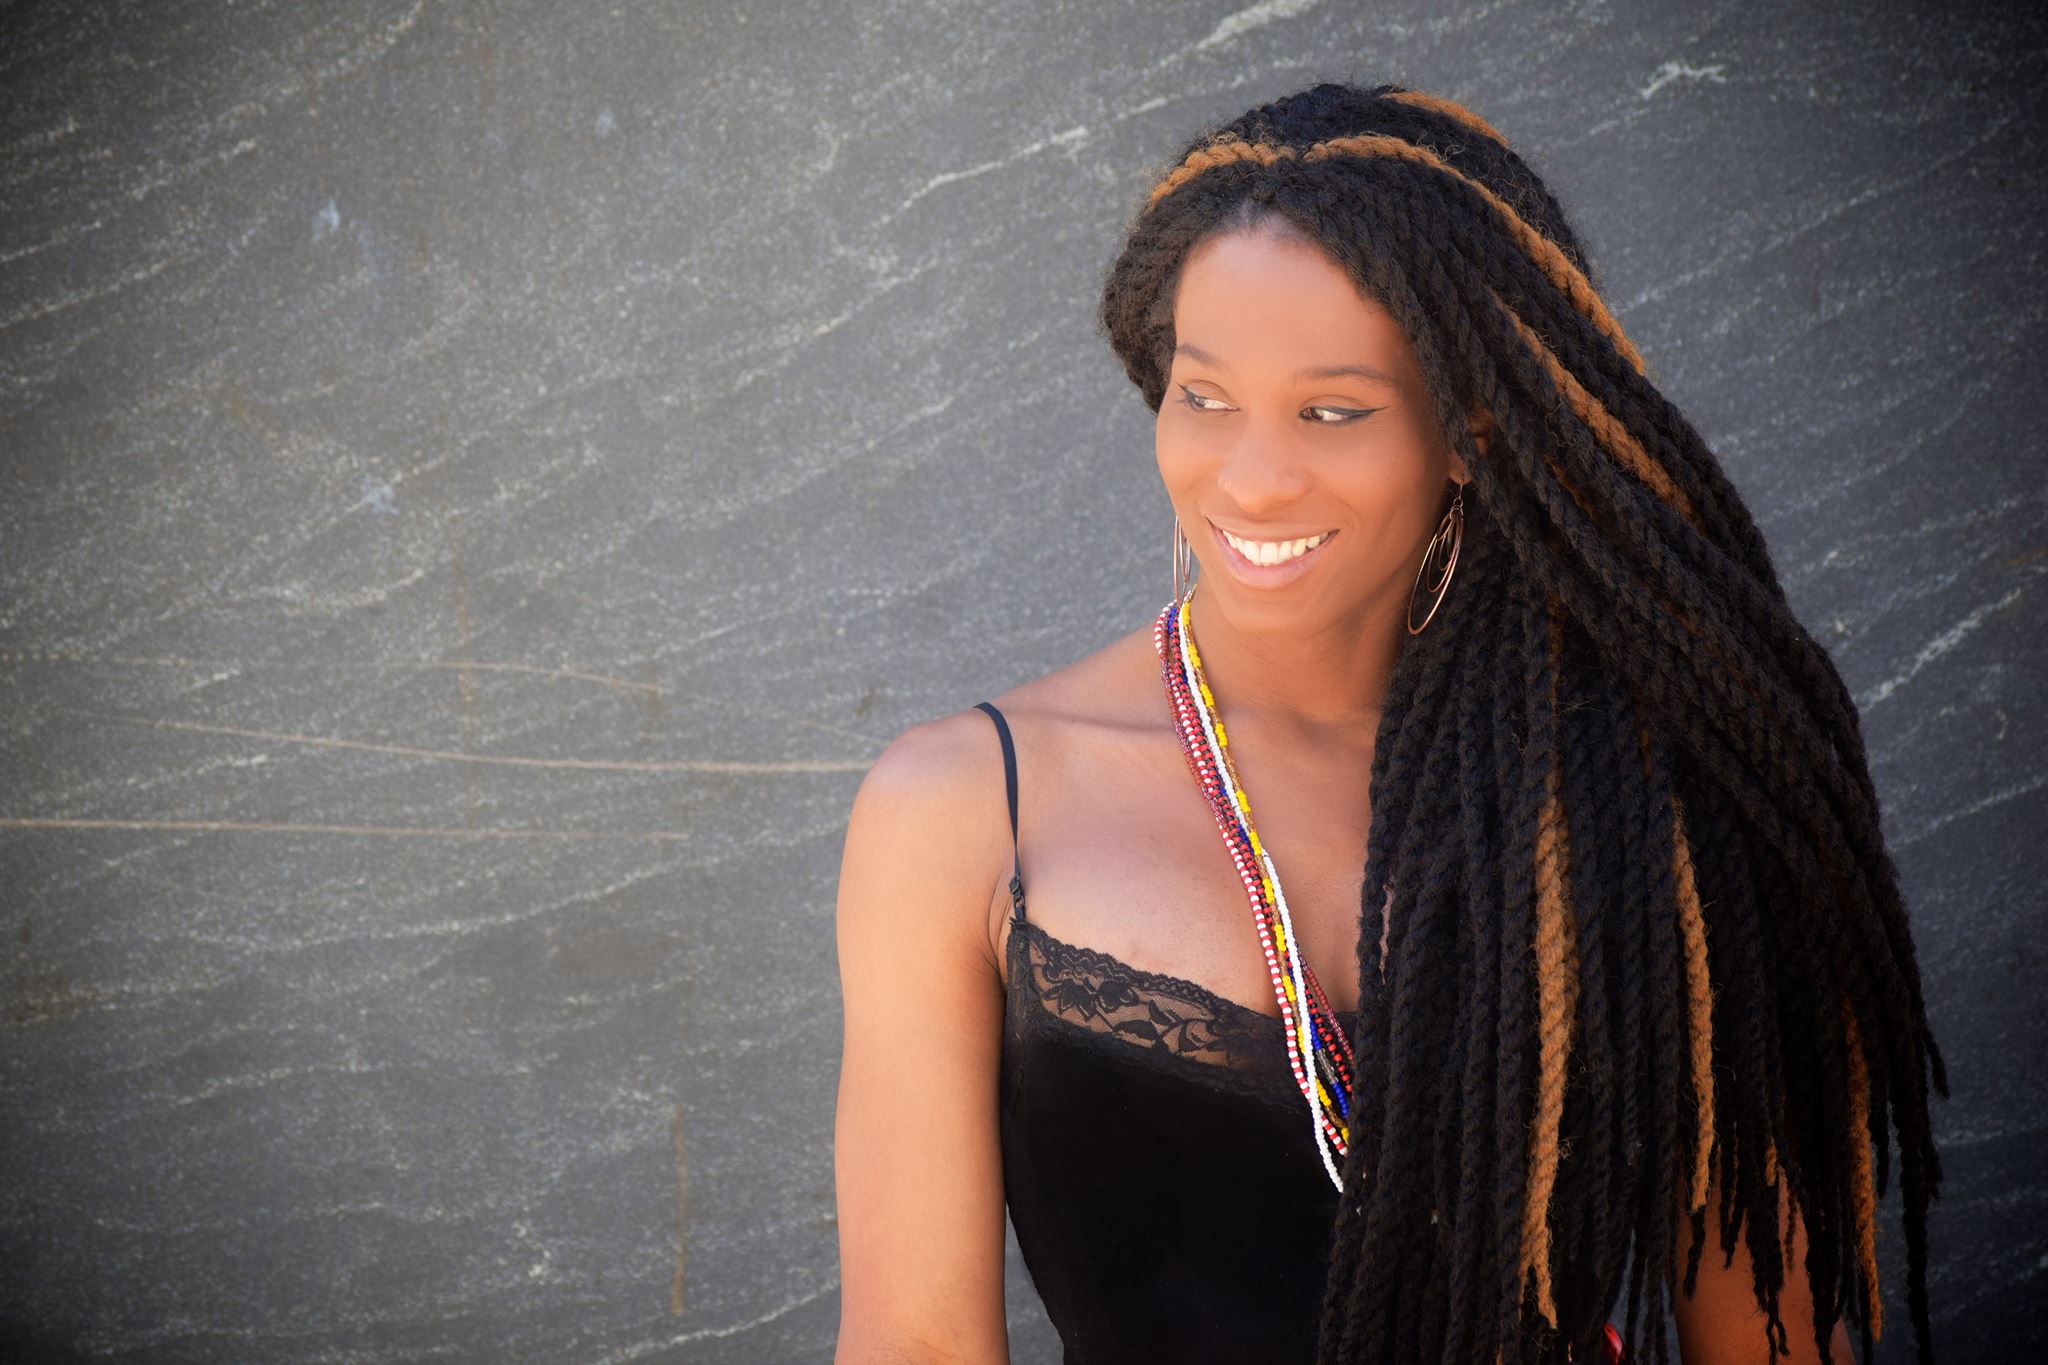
(1274, 551)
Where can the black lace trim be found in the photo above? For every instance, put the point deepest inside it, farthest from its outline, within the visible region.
(1089, 992)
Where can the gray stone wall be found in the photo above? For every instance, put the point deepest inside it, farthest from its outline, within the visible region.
(479, 482)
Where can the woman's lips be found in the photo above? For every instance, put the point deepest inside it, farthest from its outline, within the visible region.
(1266, 575)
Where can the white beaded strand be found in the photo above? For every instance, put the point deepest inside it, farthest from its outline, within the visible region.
(1299, 1044)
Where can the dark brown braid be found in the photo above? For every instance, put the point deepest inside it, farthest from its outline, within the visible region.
(1644, 940)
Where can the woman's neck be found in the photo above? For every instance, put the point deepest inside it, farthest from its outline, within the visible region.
(1327, 680)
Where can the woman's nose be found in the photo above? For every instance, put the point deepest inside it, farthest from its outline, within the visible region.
(1260, 472)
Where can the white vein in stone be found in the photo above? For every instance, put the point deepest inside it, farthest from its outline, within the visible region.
(1683, 71)
(1981, 804)
(1076, 134)
(1254, 16)
(1935, 648)
(705, 1333)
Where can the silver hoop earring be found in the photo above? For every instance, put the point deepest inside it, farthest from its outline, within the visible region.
(1443, 551)
(1184, 563)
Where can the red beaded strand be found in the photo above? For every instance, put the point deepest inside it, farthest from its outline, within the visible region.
(1235, 834)
(1328, 1068)
(1333, 1050)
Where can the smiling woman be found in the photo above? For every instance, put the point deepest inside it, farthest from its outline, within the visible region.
(1553, 792)
(1263, 428)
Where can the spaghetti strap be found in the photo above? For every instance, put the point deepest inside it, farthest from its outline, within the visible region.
(1010, 791)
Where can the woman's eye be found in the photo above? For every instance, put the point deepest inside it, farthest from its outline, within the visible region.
(1201, 402)
(1337, 417)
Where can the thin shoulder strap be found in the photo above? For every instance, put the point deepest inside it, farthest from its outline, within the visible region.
(1010, 791)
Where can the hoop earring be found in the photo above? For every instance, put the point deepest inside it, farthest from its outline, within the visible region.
(1443, 549)
(1184, 563)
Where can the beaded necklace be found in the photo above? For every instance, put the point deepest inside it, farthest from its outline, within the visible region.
(1318, 1052)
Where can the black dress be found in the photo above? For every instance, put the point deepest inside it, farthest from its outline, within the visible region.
(1157, 1158)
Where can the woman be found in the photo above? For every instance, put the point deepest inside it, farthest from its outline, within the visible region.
(1577, 980)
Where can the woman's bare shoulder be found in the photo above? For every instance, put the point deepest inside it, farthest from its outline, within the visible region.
(942, 779)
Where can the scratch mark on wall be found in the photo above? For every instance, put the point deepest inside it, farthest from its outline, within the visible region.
(323, 665)
(58, 238)
(675, 1292)
(78, 296)
(382, 831)
(679, 765)
(465, 680)
(378, 43)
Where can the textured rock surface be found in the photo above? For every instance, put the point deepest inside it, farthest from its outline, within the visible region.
(478, 483)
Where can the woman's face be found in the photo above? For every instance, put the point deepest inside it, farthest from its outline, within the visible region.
(1295, 408)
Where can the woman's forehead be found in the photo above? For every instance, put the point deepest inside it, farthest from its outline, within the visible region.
(1276, 301)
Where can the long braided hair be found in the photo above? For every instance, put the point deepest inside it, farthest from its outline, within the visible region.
(1644, 942)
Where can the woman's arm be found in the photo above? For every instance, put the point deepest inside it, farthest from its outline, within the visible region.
(1721, 1323)
(917, 1156)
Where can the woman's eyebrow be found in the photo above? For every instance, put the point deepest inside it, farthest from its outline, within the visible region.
(1197, 354)
(1339, 371)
